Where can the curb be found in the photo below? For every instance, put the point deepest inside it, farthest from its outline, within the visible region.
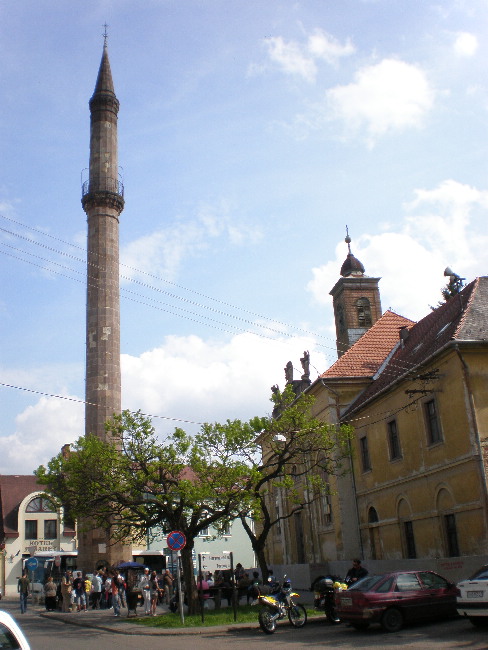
(124, 626)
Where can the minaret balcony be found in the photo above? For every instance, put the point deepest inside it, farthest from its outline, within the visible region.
(113, 185)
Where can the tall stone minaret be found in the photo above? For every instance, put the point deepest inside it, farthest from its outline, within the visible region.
(103, 201)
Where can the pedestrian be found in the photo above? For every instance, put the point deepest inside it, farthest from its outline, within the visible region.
(114, 590)
(238, 572)
(145, 586)
(80, 592)
(50, 595)
(356, 572)
(168, 582)
(23, 589)
(66, 588)
(88, 590)
(122, 589)
(154, 591)
(96, 590)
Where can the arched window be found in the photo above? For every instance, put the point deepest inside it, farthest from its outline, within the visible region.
(40, 504)
(374, 534)
(363, 308)
(372, 516)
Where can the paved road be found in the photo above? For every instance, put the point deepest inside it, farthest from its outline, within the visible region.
(48, 633)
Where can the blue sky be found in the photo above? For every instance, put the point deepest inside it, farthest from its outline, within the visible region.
(250, 134)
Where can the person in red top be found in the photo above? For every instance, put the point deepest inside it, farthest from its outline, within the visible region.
(114, 588)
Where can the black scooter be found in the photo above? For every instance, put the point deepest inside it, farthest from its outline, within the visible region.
(324, 599)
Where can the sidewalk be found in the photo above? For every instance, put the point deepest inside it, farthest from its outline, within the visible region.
(104, 619)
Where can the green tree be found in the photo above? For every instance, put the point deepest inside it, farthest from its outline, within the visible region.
(454, 285)
(299, 455)
(132, 483)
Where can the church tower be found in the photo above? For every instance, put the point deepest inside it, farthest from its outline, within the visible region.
(103, 201)
(356, 300)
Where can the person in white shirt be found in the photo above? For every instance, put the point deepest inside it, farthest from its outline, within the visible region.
(145, 585)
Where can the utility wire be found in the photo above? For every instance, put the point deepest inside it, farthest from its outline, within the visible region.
(80, 401)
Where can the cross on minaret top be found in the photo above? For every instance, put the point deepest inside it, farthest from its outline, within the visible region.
(348, 240)
(105, 34)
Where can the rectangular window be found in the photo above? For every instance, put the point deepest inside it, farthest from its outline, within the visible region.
(451, 535)
(50, 529)
(326, 509)
(433, 426)
(394, 440)
(204, 532)
(365, 460)
(227, 532)
(409, 539)
(31, 529)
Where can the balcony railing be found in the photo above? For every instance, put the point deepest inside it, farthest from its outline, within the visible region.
(112, 185)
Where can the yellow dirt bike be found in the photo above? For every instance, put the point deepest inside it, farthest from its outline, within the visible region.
(278, 604)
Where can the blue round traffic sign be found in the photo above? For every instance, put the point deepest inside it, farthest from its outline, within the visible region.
(31, 564)
(176, 540)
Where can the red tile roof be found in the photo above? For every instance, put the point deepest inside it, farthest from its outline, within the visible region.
(463, 318)
(366, 356)
(13, 490)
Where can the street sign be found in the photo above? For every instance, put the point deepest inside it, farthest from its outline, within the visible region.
(31, 564)
(215, 562)
(176, 540)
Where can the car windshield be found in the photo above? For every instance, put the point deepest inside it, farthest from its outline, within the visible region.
(481, 574)
(7, 638)
(366, 584)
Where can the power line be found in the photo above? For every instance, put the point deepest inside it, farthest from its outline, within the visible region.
(174, 296)
(84, 402)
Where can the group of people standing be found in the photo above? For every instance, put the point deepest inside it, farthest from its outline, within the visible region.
(155, 590)
(105, 589)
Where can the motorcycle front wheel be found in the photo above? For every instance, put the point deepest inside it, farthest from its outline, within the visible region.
(266, 621)
(297, 615)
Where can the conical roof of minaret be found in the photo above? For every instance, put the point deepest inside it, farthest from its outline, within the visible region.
(104, 80)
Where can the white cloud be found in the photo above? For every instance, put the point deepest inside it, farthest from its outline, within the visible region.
(300, 59)
(465, 44)
(325, 46)
(163, 251)
(184, 381)
(197, 380)
(291, 58)
(389, 96)
(437, 231)
(41, 431)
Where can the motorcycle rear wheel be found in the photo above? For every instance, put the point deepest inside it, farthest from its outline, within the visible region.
(266, 621)
(297, 615)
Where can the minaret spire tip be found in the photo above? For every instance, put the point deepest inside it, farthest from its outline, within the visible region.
(105, 35)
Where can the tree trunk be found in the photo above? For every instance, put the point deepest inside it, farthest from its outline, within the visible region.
(188, 577)
(263, 565)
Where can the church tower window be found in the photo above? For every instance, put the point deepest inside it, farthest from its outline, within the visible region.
(363, 309)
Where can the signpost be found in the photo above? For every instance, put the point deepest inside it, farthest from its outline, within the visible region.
(176, 540)
(31, 564)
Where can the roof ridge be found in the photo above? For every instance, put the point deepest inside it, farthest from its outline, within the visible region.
(473, 285)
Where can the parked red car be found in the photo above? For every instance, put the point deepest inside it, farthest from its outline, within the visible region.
(393, 599)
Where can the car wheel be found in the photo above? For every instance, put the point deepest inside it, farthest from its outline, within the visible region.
(479, 621)
(392, 620)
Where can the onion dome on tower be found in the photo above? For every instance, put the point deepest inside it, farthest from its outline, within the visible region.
(356, 299)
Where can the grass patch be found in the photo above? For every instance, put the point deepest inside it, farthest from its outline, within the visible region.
(224, 616)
